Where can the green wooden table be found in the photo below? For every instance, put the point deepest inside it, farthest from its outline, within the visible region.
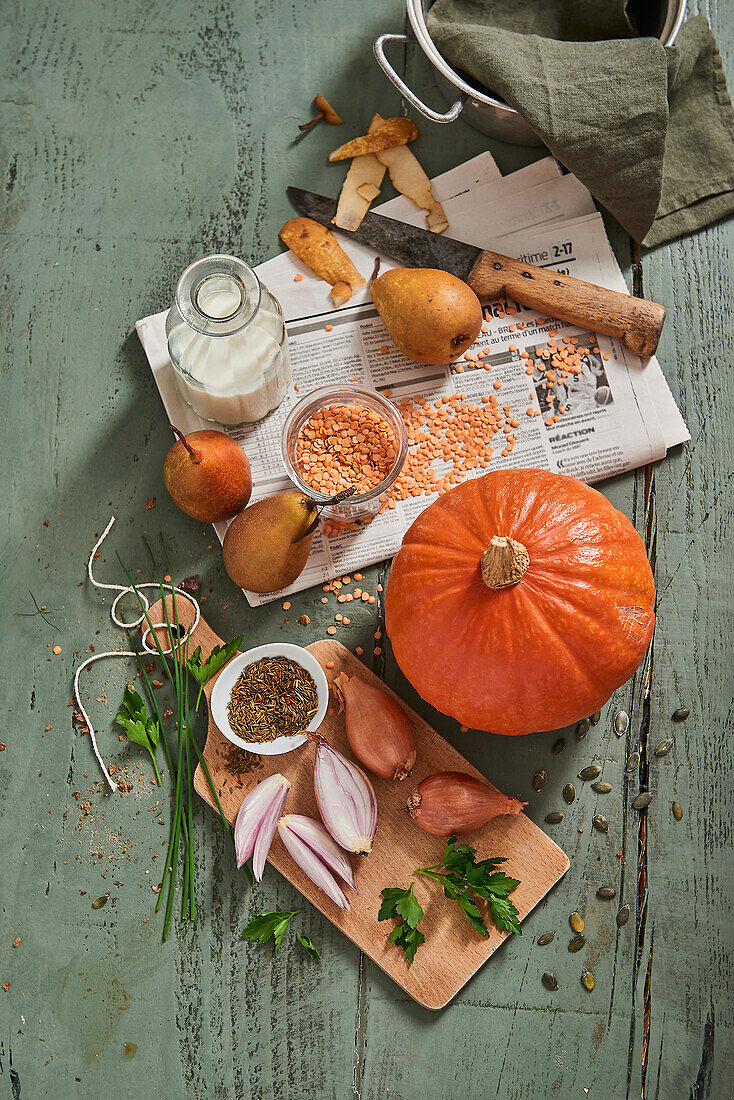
(135, 137)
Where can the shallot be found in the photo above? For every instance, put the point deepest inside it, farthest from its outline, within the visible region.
(378, 729)
(314, 836)
(311, 864)
(257, 821)
(346, 799)
(454, 802)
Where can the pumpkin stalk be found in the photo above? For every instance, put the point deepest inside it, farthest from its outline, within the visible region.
(504, 562)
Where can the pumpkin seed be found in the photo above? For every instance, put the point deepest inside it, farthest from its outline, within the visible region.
(642, 801)
(677, 811)
(569, 793)
(559, 746)
(539, 780)
(577, 922)
(663, 747)
(549, 981)
(587, 979)
(601, 823)
(621, 723)
(606, 892)
(601, 786)
(547, 937)
(554, 818)
(583, 728)
(100, 901)
(592, 772)
(595, 718)
(633, 762)
(680, 714)
(576, 944)
(623, 915)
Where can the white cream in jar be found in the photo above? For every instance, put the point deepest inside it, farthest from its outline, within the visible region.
(227, 342)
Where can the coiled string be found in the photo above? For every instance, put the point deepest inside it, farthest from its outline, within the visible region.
(125, 590)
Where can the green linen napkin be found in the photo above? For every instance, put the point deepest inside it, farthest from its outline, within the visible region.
(648, 129)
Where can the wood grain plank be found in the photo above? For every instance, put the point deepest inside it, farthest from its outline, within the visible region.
(452, 952)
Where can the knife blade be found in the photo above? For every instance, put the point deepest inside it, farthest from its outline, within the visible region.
(637, 322)
(405, 243)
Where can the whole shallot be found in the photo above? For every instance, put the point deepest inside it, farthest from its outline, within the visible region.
(257, 821)
(314, 851)
(378, 729)
(346, 799)
(454, 802)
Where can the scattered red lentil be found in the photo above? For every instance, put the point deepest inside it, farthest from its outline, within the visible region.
(287, 605)
(345, 445)
(328, 328)
(297, 278)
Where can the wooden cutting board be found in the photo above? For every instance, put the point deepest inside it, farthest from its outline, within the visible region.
(453, 952)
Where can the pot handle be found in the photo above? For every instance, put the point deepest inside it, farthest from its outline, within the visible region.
(379, 51)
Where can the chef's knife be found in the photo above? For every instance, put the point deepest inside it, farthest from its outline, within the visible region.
(635, 321)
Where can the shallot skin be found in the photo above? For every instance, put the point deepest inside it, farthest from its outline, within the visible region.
(378, 730)
(453, 802)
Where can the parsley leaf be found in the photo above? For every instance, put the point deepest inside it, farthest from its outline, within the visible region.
(142, 730)
(404, 907)
(202, 671)
(462, 876)
(308, 946)
(268, 924)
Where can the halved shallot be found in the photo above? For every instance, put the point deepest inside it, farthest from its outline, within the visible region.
(345, 797)
(257, 821)
(314, 835)
(454, 802)
(378, 729)
(312, 864)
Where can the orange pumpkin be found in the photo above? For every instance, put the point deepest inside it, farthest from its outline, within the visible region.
(519, 601)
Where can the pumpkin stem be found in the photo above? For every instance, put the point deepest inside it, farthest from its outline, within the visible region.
(504, 562)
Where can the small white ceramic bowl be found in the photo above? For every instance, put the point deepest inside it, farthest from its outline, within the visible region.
(229, 676)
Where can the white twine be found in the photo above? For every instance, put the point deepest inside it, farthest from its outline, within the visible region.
(124, 590)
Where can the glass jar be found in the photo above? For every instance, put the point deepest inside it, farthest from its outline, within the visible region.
(227, 342)
(360, 506)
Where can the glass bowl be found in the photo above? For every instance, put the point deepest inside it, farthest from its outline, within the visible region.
(361, 505)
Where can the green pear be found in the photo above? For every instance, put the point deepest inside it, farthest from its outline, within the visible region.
(431, 316)
(267, 545)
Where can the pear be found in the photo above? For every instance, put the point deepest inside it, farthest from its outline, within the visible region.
(207, 475)
(267, 545)
(432, 316)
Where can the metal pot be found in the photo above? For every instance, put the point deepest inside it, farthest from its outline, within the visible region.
(480, 109)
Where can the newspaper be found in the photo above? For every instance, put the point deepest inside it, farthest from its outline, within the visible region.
(620, 412)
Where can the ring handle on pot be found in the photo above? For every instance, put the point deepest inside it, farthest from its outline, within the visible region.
(379, 50)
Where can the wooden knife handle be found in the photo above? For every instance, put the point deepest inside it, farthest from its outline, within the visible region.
(635, 321)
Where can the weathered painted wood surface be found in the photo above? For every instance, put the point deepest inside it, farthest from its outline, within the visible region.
(136, 136)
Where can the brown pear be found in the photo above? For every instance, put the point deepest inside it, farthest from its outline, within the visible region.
(208, 475)
(432, 316)
(267, 545)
